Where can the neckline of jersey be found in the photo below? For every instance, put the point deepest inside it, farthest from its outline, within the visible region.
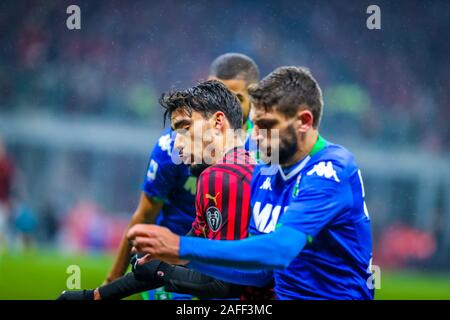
(231, 150)
(320, 144)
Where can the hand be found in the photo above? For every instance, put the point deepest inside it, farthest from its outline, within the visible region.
(155, 241)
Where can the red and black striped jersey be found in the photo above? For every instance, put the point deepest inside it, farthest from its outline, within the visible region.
(223, 205)
(223, 198)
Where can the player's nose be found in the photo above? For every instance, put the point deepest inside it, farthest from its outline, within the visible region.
(178, 144)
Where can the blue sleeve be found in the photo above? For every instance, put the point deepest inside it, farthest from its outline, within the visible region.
(162, 172)
(324, 194)
(270, 251)
(243, 277)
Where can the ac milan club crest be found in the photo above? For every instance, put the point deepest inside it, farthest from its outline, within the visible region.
(214, 218)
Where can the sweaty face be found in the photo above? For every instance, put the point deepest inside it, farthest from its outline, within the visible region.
(288, 144)
(276, 136)
(194, 135)
(239, 88)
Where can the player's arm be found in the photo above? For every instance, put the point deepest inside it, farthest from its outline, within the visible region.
(320, 199)
(232, 207)
(146, 212)
(266, 252)
(259, 278)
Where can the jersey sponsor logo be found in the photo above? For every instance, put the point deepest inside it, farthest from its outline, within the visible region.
(214, 218)
(267, 184)
(267, 218)
(152, 169)
(213, 198)
(165, 143)
(326, 170)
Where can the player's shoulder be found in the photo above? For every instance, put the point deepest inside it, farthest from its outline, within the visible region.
(162, 157)
(164, 144)
(162, 151)
(230, 171)
(263, 170)
(333, 162)
(336, 153)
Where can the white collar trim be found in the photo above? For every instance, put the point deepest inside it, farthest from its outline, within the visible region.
(294, 171)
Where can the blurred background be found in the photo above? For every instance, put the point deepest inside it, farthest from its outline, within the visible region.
(79, 116)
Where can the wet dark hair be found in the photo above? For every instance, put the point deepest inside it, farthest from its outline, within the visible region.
(206, 98)
(287, 89)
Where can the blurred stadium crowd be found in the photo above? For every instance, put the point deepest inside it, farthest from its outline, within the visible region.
(387, 88)
(126, 54)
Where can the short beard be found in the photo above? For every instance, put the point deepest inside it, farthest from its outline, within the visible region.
(197, 169)
(288, 145)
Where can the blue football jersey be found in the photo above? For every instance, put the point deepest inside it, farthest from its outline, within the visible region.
(171, 183)
(323, 197)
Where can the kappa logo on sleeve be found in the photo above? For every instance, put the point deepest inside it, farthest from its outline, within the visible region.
(267, 184)
(165, 143)
(324, 170)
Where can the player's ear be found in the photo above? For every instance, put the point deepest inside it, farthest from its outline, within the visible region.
(218, 120)
(305, 120)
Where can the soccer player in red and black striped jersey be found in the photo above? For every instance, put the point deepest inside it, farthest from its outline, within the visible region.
(223, 198)
(208, 137)
(207, 119)
(223, 206)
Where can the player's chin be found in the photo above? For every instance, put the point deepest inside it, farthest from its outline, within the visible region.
(265, 155)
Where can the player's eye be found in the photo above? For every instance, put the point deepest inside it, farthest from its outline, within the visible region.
(182, 131)
(265, 124)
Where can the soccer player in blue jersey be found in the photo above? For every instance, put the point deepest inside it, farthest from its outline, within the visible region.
(310, 224)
